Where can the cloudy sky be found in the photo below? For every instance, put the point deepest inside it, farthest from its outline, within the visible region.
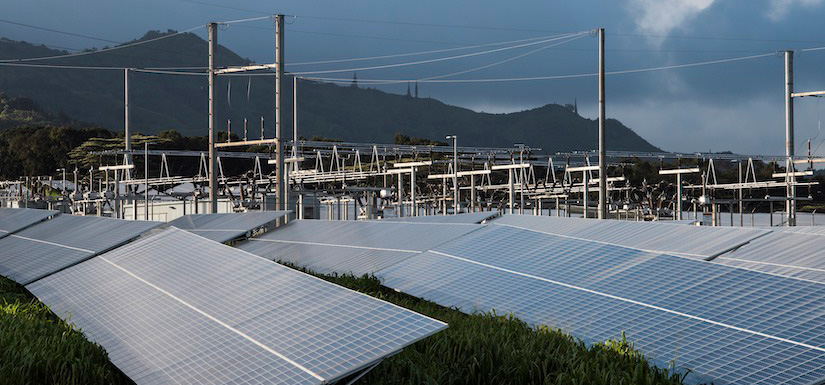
(735, 106)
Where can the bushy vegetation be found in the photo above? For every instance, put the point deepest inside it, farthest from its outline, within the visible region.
(500, 349)
(36, 347)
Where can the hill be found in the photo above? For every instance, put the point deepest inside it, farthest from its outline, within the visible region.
(163, 102)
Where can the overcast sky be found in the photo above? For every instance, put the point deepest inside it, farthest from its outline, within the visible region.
(737, 106)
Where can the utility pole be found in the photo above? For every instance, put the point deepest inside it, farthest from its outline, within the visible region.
(602, 211)
(295, 116)
(280, 194)
(127, 136)
(789, 140)
(146, 179)
(213, 180)
(456, 206)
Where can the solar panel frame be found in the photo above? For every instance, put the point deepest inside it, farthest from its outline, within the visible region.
(64, 241)
(667, 305)
(225, 227)
(304, 320)
(470, 218)
(13, 220)
(357, 247)
(699, 242)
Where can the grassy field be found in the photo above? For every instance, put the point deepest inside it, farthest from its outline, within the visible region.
(38, 348)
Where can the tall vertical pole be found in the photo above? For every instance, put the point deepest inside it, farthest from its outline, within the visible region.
(741, 208)
(146, 181)
(295, 116)
(456, 204)
(280, 196)
(522, 181)
(585, 192)
(413, 205)
(789, 141)
(213, 180)
(510, 194)
(679, 196)
(127, 136)
(602, 211)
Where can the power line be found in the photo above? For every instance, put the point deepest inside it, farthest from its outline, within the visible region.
(58, 31)
(407, 64)
(100, 50)
(554, 77)
(427, 52)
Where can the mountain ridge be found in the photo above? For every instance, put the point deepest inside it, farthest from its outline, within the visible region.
(165, 102)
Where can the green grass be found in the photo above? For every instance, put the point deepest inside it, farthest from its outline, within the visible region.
(36, 347)
(500, 349)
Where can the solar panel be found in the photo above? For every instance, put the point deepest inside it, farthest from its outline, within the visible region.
(662, 237)
(459, 218)
(358, 247)
(226, 227)
(12, 220)
(791, 254)
(55, 244)
(731, 325)
(816, 230)
(176, 308)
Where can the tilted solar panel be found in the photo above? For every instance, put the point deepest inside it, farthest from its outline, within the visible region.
(358, 247)
(226, 227)
(176, 308)
(12, 220)
(662, 237)
(800, 255)
(460, 218)
(55, 244)
(731, 325)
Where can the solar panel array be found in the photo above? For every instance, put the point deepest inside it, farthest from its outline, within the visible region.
(13, 220)
(459, 218)
(732, 325)
(792, 254)
(173, 308)
(691, 241)
(58, 243)
(358, 247)
(226, 227)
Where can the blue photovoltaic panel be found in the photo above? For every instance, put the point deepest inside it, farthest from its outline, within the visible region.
(731, 325)
(793, 254)
(226, 227)
(176, 308)
(55, 244)
(12, 220)
(460, 218)
(358, 247)
(700, 242)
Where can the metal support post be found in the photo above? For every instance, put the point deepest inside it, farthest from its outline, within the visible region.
(213, 180)
(602, 210)
(280, 194)
(789, 139)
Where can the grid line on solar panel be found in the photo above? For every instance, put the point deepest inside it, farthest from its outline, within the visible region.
(225, 227)
(465, 218)
(633, 302)
(749, 301)
(790, 254)
(13, 220)
(335, 245)
(357, 247)
(66, 240)
(52, 243)
(207, 315)
(328, 329)
(658, 237)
